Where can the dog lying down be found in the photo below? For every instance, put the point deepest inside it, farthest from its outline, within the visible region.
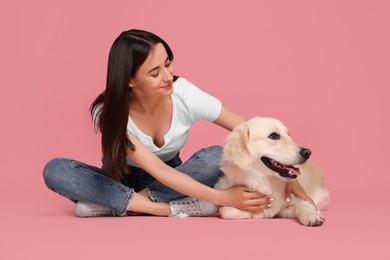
(261, 155)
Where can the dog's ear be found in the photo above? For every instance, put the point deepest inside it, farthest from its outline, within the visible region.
(236, 147)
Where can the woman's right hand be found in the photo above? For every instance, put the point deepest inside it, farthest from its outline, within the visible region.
(241, 197)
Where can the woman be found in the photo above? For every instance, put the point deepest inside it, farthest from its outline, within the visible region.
(144, 116)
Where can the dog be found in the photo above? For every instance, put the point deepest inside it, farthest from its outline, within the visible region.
(261, 155)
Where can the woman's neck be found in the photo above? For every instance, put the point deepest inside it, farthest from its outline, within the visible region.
(147, 105)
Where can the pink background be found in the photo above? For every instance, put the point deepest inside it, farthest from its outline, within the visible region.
(320, 66)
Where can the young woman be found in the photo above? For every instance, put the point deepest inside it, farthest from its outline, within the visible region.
(144, 116)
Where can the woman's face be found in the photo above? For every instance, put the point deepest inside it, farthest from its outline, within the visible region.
(155, 75)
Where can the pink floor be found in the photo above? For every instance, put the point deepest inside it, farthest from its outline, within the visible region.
(49, 230)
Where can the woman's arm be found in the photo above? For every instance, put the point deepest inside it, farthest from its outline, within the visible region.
(228, 119)
(238, 197)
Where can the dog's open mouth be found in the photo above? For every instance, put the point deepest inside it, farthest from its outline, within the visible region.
(286, 171)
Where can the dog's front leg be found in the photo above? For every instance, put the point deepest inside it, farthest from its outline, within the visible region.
(233, 213)
(307, 214)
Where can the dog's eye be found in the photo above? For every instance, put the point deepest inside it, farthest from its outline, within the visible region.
(274, 136)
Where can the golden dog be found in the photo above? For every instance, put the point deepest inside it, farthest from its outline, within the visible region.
(261, 155)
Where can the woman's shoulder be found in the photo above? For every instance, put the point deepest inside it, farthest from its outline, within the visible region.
(179, 80)
(182, 85)
(179, 88)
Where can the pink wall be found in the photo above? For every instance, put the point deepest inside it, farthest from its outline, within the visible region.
(320, 66)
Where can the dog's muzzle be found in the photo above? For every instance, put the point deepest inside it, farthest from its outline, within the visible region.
(286, 171)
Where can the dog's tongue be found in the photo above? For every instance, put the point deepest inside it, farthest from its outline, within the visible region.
(289, 168)
(292, 170)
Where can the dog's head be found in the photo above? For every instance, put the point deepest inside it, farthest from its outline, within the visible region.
(264, 143)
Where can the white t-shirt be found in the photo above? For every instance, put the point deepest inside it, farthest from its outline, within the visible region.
(189, 104)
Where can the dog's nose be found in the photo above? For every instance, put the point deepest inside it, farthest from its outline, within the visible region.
(305, 153)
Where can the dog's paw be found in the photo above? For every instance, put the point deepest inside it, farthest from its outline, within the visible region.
(233, 213)
(312, 219)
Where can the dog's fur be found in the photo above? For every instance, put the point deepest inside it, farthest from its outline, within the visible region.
(243, 163)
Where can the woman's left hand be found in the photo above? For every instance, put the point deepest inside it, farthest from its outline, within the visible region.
(295, 188)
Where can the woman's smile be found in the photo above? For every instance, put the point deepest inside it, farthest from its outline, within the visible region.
(167, 86)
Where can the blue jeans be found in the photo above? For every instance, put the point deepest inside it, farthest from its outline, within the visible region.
(81, 182)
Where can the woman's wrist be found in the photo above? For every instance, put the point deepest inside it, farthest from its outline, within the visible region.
(218, 197)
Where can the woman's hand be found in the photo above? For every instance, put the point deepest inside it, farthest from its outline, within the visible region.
(295, 188)
(242, 198)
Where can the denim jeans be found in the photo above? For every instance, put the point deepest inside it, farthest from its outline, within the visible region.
(81, 182)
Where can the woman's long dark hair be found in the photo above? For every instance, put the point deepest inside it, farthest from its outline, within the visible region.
(110, 110)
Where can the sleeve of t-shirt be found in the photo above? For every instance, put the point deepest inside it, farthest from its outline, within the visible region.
(202, 105)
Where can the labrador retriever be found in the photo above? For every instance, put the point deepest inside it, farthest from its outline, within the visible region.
(261, 155)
